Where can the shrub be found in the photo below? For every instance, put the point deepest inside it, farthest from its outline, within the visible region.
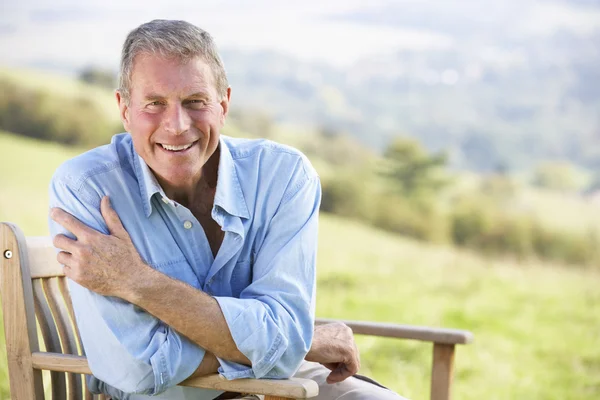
(482, 225)
(417, 220)
(43, 115)
(348, 195)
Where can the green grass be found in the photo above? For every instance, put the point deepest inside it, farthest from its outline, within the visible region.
(536, 326)
(26, 167)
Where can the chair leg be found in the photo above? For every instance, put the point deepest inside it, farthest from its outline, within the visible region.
(442, 371)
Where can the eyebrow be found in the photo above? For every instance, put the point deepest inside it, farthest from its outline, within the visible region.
(153, 96)
(156, 96)
(199, 94)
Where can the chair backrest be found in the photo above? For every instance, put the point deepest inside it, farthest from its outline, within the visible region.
(34, 290)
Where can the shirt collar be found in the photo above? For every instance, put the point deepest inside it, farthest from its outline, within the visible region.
(229, 195)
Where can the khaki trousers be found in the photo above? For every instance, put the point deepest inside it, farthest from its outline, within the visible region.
(350, 389)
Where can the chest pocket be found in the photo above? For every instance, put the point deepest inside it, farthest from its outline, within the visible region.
(178, 269)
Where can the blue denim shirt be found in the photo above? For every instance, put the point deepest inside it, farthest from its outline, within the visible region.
(263, 277)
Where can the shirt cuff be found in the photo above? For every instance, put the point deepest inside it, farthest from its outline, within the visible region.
(255, 334)
(176, 359)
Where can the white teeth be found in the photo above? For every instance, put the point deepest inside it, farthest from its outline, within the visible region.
(176, 148)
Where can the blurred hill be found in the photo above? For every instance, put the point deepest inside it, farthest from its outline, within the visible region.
(499, 85)
(407, 189)
(516, 85)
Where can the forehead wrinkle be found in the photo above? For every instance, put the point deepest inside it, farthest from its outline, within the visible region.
(175, 85)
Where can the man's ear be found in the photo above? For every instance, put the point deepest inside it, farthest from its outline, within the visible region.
(225, 106)
(123, 109)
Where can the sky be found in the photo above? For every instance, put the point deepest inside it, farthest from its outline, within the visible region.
(67, 32)
(70, 34)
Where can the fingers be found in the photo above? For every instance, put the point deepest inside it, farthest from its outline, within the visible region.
(339, 374)
(113, 222)
(72, 224)
(346, 369)
(64, 243)
(64, 258)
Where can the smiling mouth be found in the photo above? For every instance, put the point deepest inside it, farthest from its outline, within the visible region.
(176, 149)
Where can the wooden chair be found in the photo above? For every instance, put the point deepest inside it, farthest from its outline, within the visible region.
(34, 289)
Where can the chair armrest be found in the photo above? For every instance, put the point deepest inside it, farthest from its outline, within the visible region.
(435, 335)
(60, 362)
(294, 388)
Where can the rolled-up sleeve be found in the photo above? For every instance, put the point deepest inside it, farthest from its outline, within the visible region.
(272, 321)
(127, 348)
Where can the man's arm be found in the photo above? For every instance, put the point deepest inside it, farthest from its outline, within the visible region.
(128, 349)
(333, 346)
(269, 327)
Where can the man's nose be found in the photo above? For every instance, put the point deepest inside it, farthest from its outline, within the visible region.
(177, 120)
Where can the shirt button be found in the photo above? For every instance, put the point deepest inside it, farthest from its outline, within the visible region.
(187, 225)
(165, 200)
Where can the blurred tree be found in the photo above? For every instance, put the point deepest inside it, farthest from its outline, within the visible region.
(98, 76)
(557, 175)
(499, 187)
(42, 114)
(414, 172)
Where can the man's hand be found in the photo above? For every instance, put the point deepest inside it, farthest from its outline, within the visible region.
(333, 346)
(101, 263)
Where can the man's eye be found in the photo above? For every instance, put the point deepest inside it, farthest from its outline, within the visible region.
(155, 103)
(197, 103)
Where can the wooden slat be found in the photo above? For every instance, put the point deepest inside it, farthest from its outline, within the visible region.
(45, 318)
(294, 388)
(50, 337)
(65, 332)
(442, 371)
(42, 258)
(19, 315)
(64, 291)
(61, 362)
(435, 335)
(64, 363)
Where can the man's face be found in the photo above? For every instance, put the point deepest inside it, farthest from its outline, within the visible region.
(174, 116)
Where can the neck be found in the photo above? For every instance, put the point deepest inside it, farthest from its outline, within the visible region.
(198, 189)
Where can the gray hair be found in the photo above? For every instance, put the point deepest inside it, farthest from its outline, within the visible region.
(170, 39)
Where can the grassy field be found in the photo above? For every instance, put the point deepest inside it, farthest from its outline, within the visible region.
(536, 326)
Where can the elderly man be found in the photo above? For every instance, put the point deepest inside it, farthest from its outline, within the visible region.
(188, 252)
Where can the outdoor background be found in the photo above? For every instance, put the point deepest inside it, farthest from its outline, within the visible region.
(458, 144)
